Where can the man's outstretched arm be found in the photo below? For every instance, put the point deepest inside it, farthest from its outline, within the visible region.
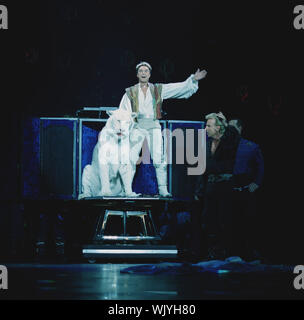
(185, 89)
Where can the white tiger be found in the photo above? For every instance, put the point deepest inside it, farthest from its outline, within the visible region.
(114, 158)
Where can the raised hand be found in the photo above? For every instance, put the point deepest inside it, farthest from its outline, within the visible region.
(200, 74)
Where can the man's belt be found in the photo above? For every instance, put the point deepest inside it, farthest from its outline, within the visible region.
(144, 117)
(219, 177)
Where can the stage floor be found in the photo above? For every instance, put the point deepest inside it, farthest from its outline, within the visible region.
(104, 281)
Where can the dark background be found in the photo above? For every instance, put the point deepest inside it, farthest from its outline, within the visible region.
(59, 56)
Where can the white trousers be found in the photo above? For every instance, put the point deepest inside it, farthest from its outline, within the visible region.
(155, 141)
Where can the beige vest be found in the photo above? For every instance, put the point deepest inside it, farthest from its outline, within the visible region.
(156, 90)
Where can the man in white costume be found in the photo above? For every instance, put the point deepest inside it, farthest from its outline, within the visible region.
(146, 100)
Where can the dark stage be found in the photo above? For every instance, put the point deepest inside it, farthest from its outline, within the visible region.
(58, 57)
(59, 268)
(104, 281)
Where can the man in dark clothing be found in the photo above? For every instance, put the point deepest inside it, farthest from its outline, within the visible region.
(248, 176)
(214, 187)
(249, 164)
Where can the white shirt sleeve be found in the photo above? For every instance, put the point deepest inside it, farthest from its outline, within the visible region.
(180, 90)
(125, 103)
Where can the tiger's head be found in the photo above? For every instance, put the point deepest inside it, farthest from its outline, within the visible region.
(120, 123)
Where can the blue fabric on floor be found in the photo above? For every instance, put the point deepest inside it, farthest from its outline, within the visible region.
(229, 265)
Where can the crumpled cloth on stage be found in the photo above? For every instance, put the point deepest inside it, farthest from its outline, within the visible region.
(229, 265)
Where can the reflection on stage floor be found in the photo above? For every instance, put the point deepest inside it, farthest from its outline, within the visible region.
(105, 281)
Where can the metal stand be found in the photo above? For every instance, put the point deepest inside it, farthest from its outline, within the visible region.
(148, 229)
(124, 244)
